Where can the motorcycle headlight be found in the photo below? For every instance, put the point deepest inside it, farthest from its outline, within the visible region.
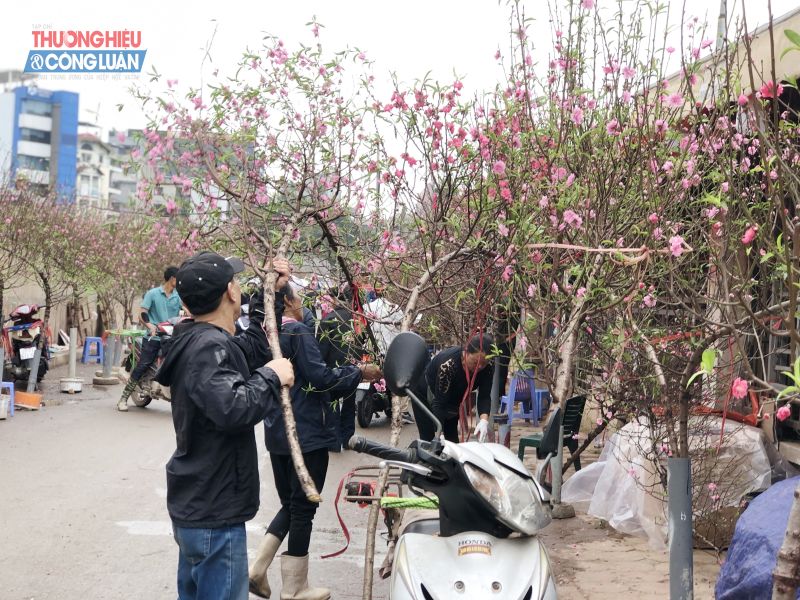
(515, 498)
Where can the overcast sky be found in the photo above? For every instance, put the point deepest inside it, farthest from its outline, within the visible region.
(410, 37)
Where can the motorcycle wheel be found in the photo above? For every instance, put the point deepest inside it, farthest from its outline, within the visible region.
(364, 411)
(140, 399)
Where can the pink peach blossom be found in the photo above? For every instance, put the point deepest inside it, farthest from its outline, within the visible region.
(676, 245)
(739, 388)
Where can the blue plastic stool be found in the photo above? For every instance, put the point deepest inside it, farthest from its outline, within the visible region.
(4, 385)
(88, 355)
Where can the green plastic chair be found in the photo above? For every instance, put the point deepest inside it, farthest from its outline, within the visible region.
(573, 413)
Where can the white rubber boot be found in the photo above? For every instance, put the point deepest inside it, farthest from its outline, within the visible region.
(294, 571)
(258, 570)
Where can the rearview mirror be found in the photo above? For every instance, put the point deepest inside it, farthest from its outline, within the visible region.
(405, 361)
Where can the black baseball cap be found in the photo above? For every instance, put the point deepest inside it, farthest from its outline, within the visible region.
(203, 278)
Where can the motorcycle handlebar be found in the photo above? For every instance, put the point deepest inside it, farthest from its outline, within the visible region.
(361, 444)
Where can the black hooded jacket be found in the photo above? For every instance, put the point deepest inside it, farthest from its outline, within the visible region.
(314, 383)
(220, 390)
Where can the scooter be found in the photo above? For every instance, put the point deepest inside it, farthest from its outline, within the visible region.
(148, 390)
(20, 341)
(371, 402)
(483, 543)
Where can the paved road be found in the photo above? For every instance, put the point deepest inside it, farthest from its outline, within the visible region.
(83, 509)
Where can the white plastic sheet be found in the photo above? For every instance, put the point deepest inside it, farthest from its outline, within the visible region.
(623, 487)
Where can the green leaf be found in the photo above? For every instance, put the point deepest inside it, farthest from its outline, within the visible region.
(793, 36)
(693, 377)
(708, 360)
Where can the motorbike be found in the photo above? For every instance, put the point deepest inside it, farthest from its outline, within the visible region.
(20, 341)
(148, 389)
(370, 401)
(483, 544)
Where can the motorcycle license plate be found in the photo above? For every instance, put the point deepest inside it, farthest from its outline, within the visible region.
(27, 353)
(364, 385)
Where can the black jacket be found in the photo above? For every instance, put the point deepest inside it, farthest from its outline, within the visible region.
(220, 390)
(337, 338)
(314, 382)
(448, 382)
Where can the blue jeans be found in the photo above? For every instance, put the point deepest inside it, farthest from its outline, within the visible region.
(212, 563)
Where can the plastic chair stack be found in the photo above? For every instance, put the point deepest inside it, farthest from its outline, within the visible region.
(5, 385)
(523, 390)
(88, 355)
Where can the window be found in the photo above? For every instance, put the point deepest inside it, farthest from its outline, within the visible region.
(95, 191)
(84, 185)
(34, 163)
(34, 135)
(86, 147)
(37, 107)
(86, 157)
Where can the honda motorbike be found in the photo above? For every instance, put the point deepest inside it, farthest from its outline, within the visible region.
(483, 542)
(148, 389)
(20, 340)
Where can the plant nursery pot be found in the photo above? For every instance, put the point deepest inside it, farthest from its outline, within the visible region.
(26, 400)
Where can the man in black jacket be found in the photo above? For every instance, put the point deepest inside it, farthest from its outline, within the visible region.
(221, 385)
(449, 378)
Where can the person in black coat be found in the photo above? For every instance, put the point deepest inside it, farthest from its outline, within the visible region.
(314, 384)
(222, 385)
(449, 378)
(337, 341)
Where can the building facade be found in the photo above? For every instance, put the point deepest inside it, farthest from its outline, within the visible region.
(39, 138)
(94, 173)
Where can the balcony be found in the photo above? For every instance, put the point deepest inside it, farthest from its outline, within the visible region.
(36, 149)
(35, 122)
(42, 177)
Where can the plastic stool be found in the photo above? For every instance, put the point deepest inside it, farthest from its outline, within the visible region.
(88, 355)
(4, 385)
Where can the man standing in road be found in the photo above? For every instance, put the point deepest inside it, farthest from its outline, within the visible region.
(159, 304)
(221, 386)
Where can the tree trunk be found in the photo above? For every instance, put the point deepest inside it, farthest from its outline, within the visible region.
(271, 326)
(42, 346)
(786, 576)
(375, 509)
(74, 309)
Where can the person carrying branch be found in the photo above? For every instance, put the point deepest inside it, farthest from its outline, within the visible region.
(449, 378)
(222, 385)
(314, 383)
